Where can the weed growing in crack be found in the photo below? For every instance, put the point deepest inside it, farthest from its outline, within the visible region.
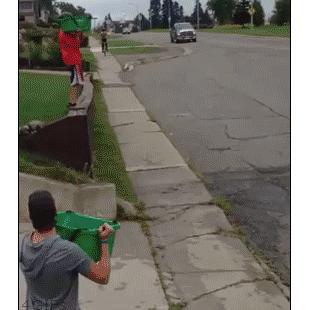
(121, 215)
(178, 306)
(222, 203)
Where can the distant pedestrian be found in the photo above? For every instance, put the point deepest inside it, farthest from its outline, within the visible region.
(104, 40)
(51, 265)
(69, 44)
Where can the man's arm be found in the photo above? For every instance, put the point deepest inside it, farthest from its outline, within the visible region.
(100, 271)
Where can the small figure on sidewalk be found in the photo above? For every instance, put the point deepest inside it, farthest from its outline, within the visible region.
(51, 265)
(104, 40)
(69, 43)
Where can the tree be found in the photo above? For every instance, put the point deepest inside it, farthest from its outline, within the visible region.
(188, 19)
(282, 12)
(165, 8)
(155, 13)
(176, 15)
(259, 16)
(222, 10)
(181, 13)
(70, 8)
(241, 15)
(47, 4)
(207, 20)
(145, 23)
(194, 14)
(80, 10)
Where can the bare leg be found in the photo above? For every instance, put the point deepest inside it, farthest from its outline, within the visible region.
(74, 93)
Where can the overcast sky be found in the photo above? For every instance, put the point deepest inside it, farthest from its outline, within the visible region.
(130, 8)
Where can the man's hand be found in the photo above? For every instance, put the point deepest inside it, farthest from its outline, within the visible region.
(100, 271)
(105, 231)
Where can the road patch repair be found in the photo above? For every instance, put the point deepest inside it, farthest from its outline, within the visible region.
(129, 62)
(200, 260)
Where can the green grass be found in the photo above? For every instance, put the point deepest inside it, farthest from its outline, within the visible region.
(42, 97)
(134, 50)
(158, 30)
(38, 165)
(268, 30)
(222, 203)
(108, 165)
(125, 42)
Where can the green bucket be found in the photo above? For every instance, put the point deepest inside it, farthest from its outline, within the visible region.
(83, 22)
(68, 23)
(82, 230)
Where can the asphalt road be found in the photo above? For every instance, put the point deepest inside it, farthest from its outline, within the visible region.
(226, 107)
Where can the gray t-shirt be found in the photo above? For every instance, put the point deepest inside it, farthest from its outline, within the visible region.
(51, 268)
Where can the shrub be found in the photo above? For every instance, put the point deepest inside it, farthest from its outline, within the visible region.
(33, 52)
(53, 52)
(41, 23)
(21, 48)
(26, 25)
(32, 34)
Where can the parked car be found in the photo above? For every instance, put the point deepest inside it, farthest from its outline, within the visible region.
(126, 30)
(182, 32)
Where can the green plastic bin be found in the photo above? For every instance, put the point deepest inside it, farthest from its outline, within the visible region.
(68, 24)
(82, 230)
(83, 22)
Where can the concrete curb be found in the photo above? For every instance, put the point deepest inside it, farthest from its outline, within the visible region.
(91, 199)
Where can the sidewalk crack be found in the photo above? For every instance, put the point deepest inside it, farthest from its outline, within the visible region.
(123, 125)
(194, 236)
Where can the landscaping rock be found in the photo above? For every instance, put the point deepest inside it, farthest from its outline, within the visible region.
(24, 130)
(36, 125)
(31, 128)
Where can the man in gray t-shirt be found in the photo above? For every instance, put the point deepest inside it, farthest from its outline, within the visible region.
(51, 265)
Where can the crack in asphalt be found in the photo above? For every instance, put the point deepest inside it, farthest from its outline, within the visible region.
(273, 171)
(220, 149)
(228, 286)
(233, 118)
(252, 138)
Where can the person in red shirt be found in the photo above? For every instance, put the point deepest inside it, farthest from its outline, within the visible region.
(69, 43)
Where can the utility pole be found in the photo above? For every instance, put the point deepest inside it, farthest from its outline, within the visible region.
(150, 17)
(252, 12)
(140, 20)
(198, 14)
(169, 13)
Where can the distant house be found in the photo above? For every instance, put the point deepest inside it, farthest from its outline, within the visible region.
(117, 26)
(31, 12)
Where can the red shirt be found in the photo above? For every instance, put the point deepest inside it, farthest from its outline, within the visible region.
(69, 44)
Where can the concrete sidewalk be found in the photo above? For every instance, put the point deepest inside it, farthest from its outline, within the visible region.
(202, 263)
(134, 282)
